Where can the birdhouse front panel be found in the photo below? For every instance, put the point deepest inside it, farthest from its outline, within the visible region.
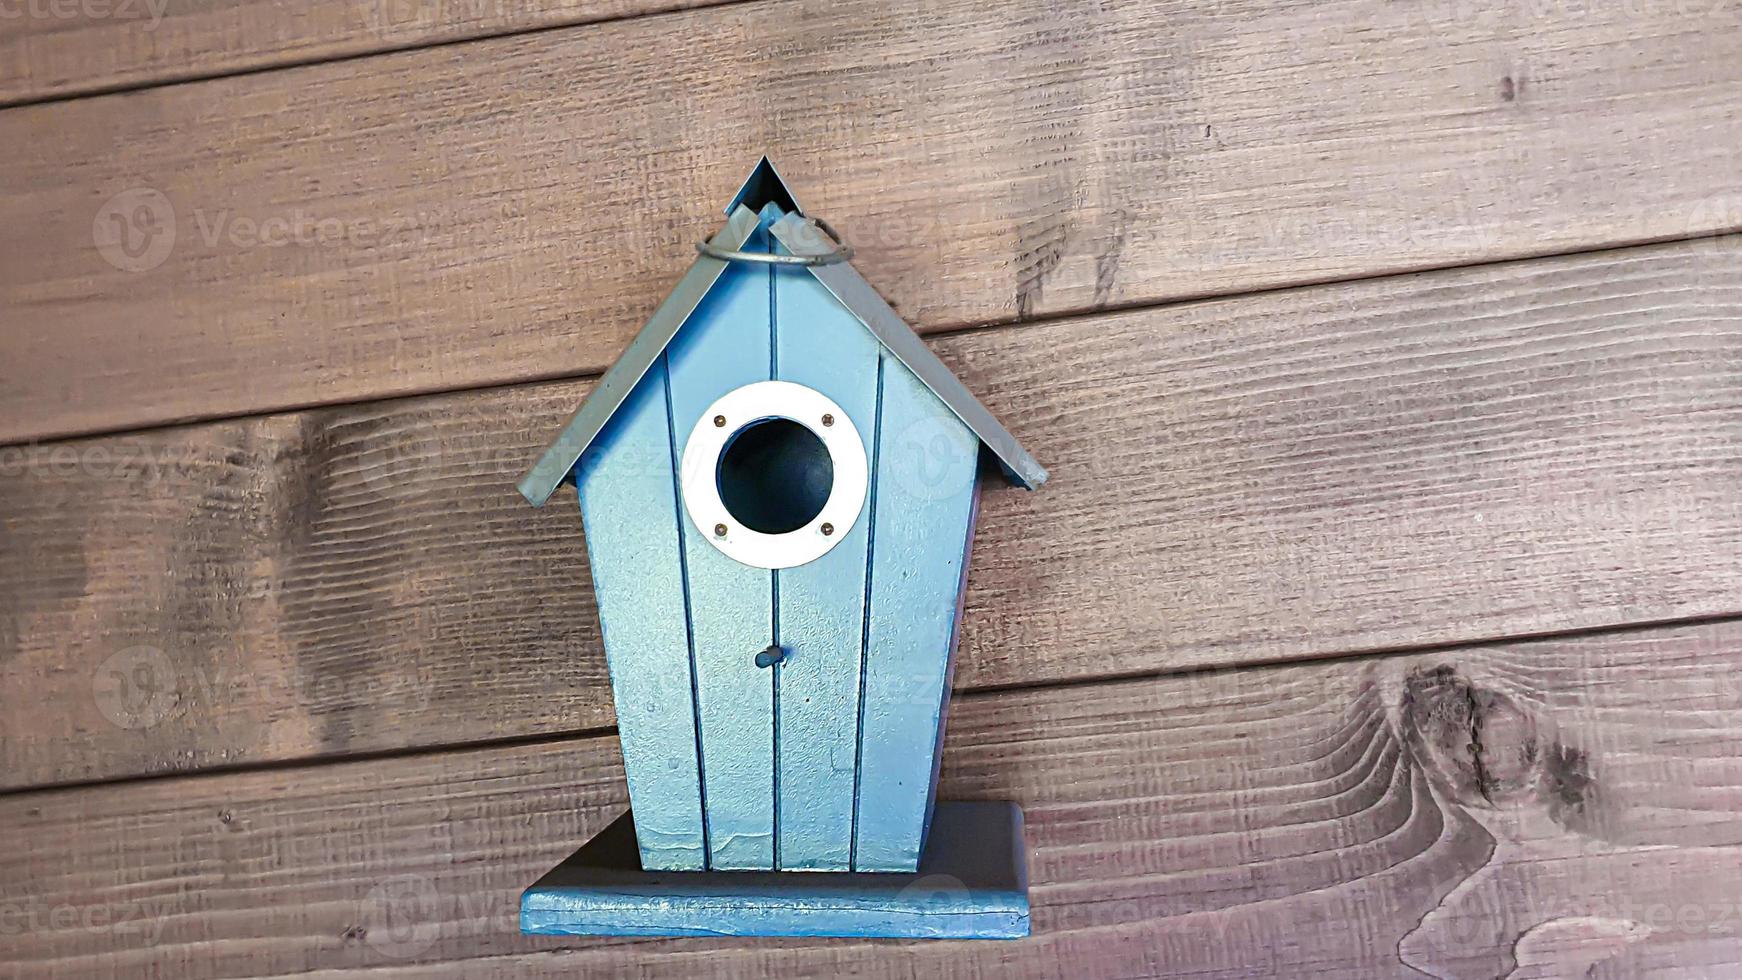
(778, 518)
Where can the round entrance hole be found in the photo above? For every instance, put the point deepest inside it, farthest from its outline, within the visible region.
(775, 476)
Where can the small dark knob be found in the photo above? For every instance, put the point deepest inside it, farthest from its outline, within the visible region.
(771, 656)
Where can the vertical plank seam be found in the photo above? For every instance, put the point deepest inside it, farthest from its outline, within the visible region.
(774, 574)
(865, 623)
(689, 625)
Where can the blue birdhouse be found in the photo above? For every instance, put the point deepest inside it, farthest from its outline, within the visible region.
(778, 484)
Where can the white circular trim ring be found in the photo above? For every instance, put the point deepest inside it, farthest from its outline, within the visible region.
(754, 403)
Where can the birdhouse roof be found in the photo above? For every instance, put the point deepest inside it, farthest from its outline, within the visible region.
(794, 231)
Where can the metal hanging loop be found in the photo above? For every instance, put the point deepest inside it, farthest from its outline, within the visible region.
(842, 251)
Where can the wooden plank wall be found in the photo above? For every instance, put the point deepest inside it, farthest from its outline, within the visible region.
(1378, 621)
(512, 209)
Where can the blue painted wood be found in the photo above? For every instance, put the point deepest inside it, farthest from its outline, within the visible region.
(826, 760)
(973, 884)
(629, 506)
(725, 345)
(820, 344)
(925, 490)
(937, 756)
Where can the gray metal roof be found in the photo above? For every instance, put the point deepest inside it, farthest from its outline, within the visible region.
(898, 338)
(797, 234)
(620, 379)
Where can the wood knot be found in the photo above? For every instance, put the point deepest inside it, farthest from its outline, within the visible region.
(1485, 748)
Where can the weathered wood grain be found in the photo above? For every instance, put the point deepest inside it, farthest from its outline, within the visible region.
(63, 48)
(1549, 809)
(512, 209)
(1507, 450)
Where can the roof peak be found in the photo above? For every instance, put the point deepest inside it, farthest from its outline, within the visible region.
(796, 232)
(764, 185)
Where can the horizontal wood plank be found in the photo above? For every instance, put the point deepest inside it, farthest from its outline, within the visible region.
(512, 209)
(1549, 809)
(1526, 448)
(63, 48)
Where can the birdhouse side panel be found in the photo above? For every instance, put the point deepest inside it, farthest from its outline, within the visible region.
(723, 346)
(629, 508)
(820, 605)
(925, 492)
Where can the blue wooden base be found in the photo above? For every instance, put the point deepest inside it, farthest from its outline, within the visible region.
(972, 883)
